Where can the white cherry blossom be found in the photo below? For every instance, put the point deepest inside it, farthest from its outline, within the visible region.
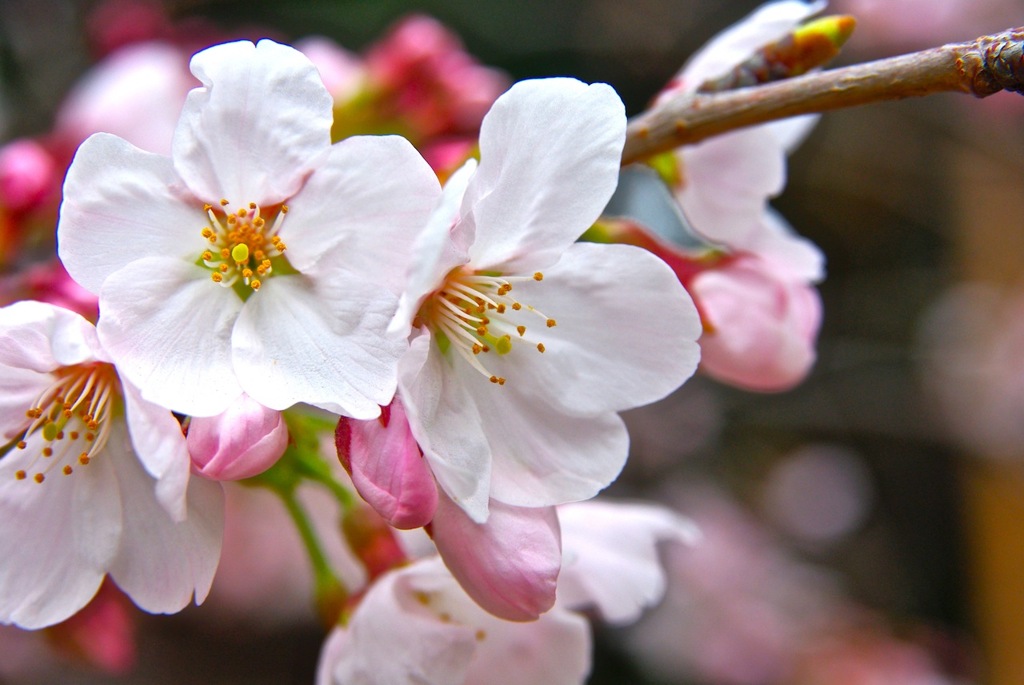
(524, 343)
(94, 480)
(258, 258)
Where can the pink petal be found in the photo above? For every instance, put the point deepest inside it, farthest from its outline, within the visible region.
(508, 565)
(388, 469)
(242, 442)
(764, 329)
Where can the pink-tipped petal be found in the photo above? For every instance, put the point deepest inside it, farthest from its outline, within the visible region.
(763, 329)
(508, 565)
(242, 442)
(389, 470)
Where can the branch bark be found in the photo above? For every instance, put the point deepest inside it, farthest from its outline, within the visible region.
(980, 67)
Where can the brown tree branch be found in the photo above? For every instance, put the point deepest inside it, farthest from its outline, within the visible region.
(981, 67)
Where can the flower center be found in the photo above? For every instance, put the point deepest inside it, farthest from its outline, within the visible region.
(474, 314)
(69, 423)
(243, 249)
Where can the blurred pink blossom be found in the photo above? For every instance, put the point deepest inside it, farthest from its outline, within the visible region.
(738, 609)
(102, 634)
(760, 330)
(135, 93)
(431, 79)
(972, 366)
(49, 282)
(343, 72)
(28, 174)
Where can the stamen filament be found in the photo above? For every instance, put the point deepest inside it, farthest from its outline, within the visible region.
(474, 313)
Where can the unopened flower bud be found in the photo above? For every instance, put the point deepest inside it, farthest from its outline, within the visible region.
(243, 441)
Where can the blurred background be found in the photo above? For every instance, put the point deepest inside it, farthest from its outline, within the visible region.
(865, 527)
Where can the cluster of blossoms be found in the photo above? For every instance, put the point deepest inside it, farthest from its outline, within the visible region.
(251, 276)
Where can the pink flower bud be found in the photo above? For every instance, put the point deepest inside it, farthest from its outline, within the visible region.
(27, 175)
(240, 443)
(760, 329)
(387, 467)
(508, 565)
(102, 634)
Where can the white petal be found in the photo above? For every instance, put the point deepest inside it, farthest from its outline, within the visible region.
(160, 445)
(626, 332)
(550, 151)
(447, 426)
(611, 559)
(729, 180)
(120, 204)
(319, 343)
(542, 457)
(19, 388)
(362, 209)
(162, 564)
(35, 339)
(167, 327)
(554, 650)
(257, 127)
(440, 247)
(729, 48)
(791, 256)
(57, 536)
(397, 636)
(793, 131)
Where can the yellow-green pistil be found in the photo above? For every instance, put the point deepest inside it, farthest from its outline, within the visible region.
(244, 251)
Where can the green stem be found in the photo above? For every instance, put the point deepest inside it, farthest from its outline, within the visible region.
(345, 498)
(324, 574)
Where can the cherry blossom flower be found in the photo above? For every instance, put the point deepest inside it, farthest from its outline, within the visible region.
(219, 293)
(611, 565)
(27, 174)
(416, 625)
(135, 93)
(524, 344)
(95, 480)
